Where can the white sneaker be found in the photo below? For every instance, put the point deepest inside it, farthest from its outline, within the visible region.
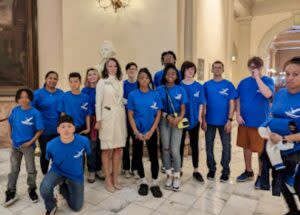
(127, 174)
(176, 181)
(169, 182)
(136, 175)
(100, 175)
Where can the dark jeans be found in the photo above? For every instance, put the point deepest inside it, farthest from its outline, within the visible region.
(194, 142)
(43, 140)
(288, 196)
(277, 176)
(72, 191)
(152, 151)
(94, 163)
(210, 135)
(126, 154)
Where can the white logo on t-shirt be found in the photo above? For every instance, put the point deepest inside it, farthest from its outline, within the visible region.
(224, 92)
(178, 97)
(85, 106)
(154, 106)
(293, 113)
(79, 154)
(27, 121)
(197, 94)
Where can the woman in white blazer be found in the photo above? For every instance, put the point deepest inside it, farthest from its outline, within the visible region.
(111, 121)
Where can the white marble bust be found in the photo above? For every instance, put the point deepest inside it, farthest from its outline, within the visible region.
(106, 51)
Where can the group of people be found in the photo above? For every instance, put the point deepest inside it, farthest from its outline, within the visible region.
(98, 124)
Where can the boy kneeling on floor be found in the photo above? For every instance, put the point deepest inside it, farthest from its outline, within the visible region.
(66, 153)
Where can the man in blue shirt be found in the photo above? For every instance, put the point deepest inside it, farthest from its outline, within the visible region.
(252, 109)
(76, 104)
(220, 95)
(66, 153)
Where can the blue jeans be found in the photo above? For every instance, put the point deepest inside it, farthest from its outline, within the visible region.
(72, 191)
(94, 159)
(210, 135)
(171, 139)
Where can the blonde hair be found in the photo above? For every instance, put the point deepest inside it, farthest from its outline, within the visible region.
(86, 82)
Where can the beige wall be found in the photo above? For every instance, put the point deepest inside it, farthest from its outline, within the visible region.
(70, 41)
(210, 33)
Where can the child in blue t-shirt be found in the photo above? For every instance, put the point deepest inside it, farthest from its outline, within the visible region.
(66, 153)
(77, 105)
(24, 128)
(129, 85)
(144, 111)
(94, 159)
(174, 100)
(193, 112)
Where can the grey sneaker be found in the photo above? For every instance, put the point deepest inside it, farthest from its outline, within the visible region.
(169, 182)
(100, 175)
(91, 177)
(127, 174)
(136, 175)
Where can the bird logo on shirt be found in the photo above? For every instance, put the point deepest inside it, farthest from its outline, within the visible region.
(196, 94)
(85, 106)
(27, 121)
(178, 97)
(293, 113)
(224, 92)
(154, 106)
(79, 154)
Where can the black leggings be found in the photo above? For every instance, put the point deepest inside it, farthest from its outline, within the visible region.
(288, 196)
(194, 142)
(126, 150)
(152, 151)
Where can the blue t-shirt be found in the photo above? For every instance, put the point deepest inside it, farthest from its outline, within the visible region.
(24, 125)
(46, 102)
(285, 109)
(77, 106)
(195, 93)
(159, 75)
(177, 95)
(91, 93)
(67, 159)
(218, 95)
(128, 87)
(254, 107)
(145, 107)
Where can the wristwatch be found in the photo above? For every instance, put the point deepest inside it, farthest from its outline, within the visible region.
(230, 119)
(284, 140)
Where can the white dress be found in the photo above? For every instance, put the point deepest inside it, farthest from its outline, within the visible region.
(111, 112)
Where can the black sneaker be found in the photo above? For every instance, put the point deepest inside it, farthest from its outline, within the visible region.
(224, 178)
(293, 213)
(52, 212)
(143, 190)
(245, 176)
(156, 192)
(210, 175)
(257, 183)
(198, 177)
(33, 196)
(11, 198)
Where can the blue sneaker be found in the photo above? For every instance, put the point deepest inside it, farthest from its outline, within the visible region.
(245, 176)
(257, 184)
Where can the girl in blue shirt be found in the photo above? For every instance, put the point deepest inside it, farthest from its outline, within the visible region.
(46, 100)
(144, 111)
(285, 110)
(24, 128)
(174, 100)
(194, 109)
(93, 160)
